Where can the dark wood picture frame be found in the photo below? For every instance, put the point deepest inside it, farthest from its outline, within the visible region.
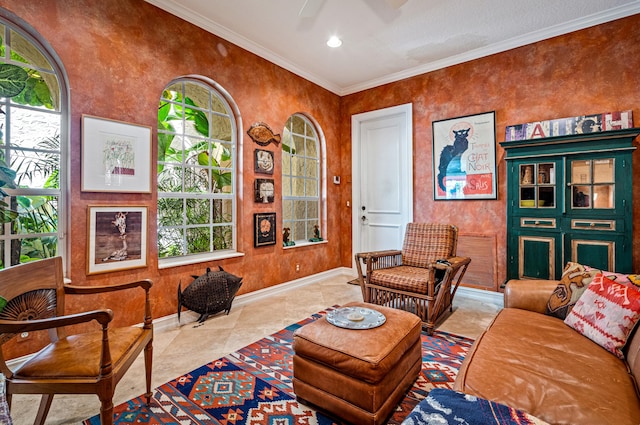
(264, 225)
(264, 190)
(263, 161)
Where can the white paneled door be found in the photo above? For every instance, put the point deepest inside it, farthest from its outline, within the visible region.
(382, 165)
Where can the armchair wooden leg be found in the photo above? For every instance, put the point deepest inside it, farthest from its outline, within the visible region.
(430, 327)
(106, 411)
(148, 366)
(43, 410)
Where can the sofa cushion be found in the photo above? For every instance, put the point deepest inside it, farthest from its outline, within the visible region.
(404, 278)
(574, 281)
(606, 313)
(536, 363)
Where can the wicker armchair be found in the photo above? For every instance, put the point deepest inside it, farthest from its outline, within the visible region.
(414, 279)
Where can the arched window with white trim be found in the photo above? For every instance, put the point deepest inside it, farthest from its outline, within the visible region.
(301, 180)
(33, 146)
(197, 160)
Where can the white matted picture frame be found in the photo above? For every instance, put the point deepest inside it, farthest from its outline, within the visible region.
(464, 158)
(116, 156)
(117, 238)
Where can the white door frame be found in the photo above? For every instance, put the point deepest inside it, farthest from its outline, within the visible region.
(407, 171)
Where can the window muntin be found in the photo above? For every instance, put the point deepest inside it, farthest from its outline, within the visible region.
(196, 170)
(593, 184)
(31, 135)
(301, 178)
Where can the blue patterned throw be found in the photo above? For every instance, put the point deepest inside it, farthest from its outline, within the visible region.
(447, 407)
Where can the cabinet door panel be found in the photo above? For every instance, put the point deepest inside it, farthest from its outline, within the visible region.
(536, 257)
(595, 253)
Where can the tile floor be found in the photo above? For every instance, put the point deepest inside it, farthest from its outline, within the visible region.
(181, 348)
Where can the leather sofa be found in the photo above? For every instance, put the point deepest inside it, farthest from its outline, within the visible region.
(536, 363)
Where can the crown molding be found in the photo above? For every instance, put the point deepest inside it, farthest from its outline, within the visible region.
(241, 41)
(532, 37)
(523, 40)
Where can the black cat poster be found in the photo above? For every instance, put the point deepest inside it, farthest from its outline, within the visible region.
(464, 157)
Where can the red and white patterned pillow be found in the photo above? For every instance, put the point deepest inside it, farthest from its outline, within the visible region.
(606, 313)
(625, 279)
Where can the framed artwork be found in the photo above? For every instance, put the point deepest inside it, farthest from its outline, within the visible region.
(116, 156)
(264, 229)
(464, 158)
(117, 238)
(264, 190)
(263, 161)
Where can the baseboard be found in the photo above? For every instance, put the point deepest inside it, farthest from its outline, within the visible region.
(480, 295)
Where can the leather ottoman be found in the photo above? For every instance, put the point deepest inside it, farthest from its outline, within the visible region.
(357, 376)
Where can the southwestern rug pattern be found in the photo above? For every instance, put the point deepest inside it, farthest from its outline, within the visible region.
(253, 386)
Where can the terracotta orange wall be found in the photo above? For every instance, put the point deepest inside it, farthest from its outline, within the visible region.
(119, 55)
(590, 71)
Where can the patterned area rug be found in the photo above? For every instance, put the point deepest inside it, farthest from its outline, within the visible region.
(253, 386)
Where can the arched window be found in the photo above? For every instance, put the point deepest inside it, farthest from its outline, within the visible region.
(197, 137)
(33, 146)
(301, 180)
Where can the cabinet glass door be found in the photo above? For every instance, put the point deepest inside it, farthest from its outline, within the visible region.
(592, 184)
(537, 185)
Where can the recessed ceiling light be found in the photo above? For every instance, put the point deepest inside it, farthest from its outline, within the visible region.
(334, 41)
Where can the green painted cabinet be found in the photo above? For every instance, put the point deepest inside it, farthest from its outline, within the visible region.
(569, 198)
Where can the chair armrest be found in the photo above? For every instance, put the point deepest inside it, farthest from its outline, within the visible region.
(378, 254)
(529, 294)
(144, 284)
(381, 260)
(457, 267)
(456, 263)
(378, 260)
(86, 290)
(17, 326)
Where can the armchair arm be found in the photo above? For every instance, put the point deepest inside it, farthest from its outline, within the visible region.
(456, 263)
(144, 284)
(17, 326)
(375, 260)
(379, 254)
(378, 260)
(529, 294)
(457, 267)
(85, 290)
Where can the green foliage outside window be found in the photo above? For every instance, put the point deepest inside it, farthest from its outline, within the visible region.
(34, 218)
(195, 172)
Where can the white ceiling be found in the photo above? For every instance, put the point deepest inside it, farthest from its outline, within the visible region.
(382, 42)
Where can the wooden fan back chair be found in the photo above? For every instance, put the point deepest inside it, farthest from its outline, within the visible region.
(412, 279)
(87, 363)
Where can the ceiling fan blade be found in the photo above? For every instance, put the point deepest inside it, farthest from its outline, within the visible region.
(396, 4)
(310, 8)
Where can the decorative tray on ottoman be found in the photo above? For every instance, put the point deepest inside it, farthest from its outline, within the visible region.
(356, 318)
